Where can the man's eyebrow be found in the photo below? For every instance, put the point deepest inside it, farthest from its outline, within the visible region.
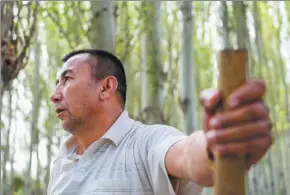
(63, 74)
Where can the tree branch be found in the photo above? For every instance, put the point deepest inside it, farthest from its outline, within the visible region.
(27, 40)
(7, 18)
(66, 35)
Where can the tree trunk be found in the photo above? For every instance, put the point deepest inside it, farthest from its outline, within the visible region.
(35, 113)
(281, 64)
(187, 77)
(144, 80)
(258, 37)
(12, 173)
(102, 33)
(154, 74)
(243, 40)
(153, 54)
(226, 44)
(241, 26)
(172, 116)
(125, 35)
(280, 72)
(2, 169)
(48, 157)
(263, 62)
(38, 169)
(7, 147)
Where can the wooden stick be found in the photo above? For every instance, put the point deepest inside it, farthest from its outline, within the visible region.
(230, 170)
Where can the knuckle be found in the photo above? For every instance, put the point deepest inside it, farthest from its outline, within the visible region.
(219, 137)
(244, 111)
(261, 84)
(248, 112)
(265, 124)
(259, 128)
(221, 118)
(262, 106)
(259, 107)
(255, 110)
(265, 111)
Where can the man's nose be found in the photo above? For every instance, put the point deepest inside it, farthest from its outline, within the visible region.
(56, 97)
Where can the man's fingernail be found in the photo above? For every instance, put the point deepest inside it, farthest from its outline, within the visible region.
(213, 123)
(233, 103)
(207, 104)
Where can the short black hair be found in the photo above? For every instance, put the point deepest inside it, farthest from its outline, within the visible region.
(107, 65)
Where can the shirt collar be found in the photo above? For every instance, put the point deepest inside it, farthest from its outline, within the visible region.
(66, 147)
(120, 128)
(116, 134)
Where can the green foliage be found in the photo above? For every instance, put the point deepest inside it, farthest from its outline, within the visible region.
(65, 26)
(17, 184)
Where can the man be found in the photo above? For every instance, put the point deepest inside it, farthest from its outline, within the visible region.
(110, 153)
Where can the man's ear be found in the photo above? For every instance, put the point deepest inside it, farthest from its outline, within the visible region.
(108, 88)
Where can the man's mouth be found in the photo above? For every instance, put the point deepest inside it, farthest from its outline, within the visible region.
(60, 112)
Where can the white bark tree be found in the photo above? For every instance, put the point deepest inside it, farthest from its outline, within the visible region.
(187, 72)
(243, 39)
(154, 77)
(144, 82)
(7, 148)
(267, 177)
(224, 15)
(35, 113)
(102, 33)
(241, 26)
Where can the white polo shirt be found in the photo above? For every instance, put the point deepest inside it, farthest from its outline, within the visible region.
(128, 160)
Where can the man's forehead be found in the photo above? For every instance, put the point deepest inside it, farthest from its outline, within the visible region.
(72, 63)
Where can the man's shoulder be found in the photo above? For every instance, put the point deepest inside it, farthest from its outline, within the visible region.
(68, 143)
(153, 127)
(149, 129)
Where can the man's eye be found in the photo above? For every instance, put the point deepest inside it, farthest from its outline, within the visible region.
(66, 78)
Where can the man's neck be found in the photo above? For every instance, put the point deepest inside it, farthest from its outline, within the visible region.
(95, 129)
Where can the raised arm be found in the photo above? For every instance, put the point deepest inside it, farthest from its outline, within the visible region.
(188, 159)
(244, 130)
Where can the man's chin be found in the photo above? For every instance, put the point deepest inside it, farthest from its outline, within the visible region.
(67, 127)
(71, 125)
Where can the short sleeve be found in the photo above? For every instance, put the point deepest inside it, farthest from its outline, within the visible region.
(155, 142)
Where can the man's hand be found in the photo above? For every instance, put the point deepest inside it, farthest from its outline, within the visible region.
(244, 129)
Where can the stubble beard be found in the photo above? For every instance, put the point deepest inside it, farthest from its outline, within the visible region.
(72, 123)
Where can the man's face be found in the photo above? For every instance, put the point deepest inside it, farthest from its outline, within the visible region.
(76, 93)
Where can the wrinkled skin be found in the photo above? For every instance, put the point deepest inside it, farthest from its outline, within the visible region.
(244, 129)
(77, 93)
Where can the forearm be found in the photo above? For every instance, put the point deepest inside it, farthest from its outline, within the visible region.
(188, 159)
